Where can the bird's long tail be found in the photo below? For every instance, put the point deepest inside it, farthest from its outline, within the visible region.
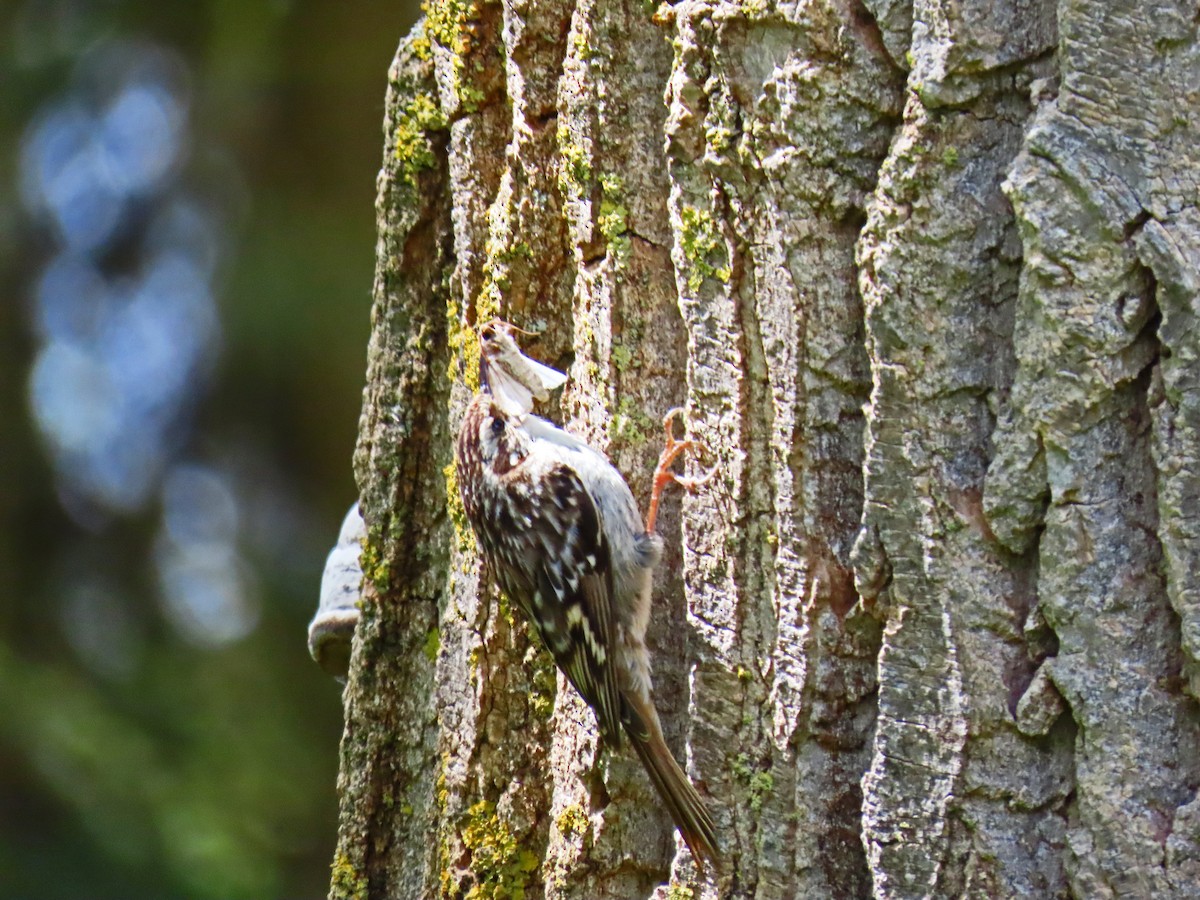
(687, 810)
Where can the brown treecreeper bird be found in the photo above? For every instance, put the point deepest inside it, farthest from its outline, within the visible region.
(562, 536)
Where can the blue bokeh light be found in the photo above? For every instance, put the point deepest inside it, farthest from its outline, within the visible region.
(127, 321)
(139, 137)
(125, 348)
(206, 586)
(71, 300)
(64, 181)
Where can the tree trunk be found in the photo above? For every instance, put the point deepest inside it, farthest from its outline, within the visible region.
(924, 277)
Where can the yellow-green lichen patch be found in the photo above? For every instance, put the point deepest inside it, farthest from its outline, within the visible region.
(444, 21)
(504, 609)
(702, 246)
(761, 785)
(622, 358)
(458, 513)
(543, 682)
(680, 892)
(502, 250)
(414, 149)
(441, 790)
(500, 865)
(630, 424)
(613, 220)
(575, 169)
(719, 138)
(470, 96)
(759, 782)
(433, 642)
(721, 124)
(446, 25)
(375, 568)
(346, 882)
(464, 349)
(572, 821)
(421, 47)
(445, 851)
(583, 50)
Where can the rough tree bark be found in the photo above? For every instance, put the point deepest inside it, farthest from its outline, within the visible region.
(925, 277)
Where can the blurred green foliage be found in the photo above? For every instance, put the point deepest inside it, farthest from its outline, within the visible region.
(181, 770)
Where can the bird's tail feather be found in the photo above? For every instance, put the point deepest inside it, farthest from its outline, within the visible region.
(687, 810)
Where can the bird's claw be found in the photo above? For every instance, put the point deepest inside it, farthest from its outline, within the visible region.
(672, 450)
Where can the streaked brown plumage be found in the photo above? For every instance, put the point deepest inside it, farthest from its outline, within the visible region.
(561, 534)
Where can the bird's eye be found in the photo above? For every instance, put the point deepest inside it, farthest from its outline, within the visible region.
(497, 425)
(488, 333)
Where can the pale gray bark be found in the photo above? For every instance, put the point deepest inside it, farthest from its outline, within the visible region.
(925, 277)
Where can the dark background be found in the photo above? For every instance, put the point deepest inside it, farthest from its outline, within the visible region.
(177, 418)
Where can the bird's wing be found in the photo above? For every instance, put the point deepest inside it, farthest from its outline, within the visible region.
(544, 377)
(541, 430)
(512, 397)
(574, 594)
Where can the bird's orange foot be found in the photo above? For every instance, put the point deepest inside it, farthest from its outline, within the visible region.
(672, 450)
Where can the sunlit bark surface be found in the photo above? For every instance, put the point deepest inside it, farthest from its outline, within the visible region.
(925, 278)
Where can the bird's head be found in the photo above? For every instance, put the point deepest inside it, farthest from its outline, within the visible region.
(503, 443)
(497, 340)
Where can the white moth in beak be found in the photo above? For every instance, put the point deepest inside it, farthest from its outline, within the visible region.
(513, 379)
